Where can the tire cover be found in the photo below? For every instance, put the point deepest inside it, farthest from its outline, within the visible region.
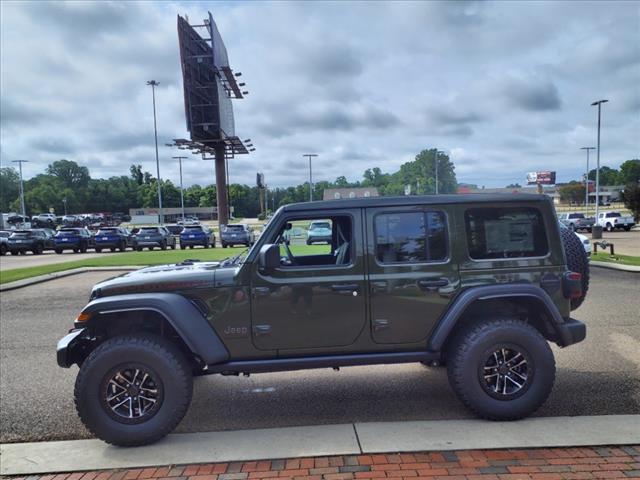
(577, 261)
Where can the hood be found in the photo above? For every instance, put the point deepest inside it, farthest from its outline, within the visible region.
(166, 278)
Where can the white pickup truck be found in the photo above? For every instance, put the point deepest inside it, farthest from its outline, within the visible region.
(614, 220)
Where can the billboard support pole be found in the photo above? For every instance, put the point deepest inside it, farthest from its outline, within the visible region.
(221, 185)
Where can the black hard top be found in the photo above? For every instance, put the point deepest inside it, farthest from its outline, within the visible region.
(407, 200)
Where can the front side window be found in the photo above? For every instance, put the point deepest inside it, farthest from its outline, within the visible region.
(410, 237)
(505, 233)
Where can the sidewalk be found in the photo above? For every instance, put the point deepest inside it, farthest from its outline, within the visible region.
(529, 464)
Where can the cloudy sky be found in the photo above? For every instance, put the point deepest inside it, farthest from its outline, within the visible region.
(505, 88)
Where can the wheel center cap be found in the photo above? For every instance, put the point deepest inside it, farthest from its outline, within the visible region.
(133, 391)
(502, 369)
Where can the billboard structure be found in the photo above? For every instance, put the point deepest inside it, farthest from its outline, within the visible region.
(209, 87)
(541, 178)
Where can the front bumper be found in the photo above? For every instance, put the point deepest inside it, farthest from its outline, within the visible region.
(67, 348)
(313, 239)
(571, 331)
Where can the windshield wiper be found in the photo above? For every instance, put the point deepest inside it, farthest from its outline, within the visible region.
(233, 260)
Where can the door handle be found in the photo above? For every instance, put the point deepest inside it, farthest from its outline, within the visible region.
(380, 324)
(260, 330)
(432, 284)
(261, 291)
(345, 287)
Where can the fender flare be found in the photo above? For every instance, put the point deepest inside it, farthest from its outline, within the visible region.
(186, 319)
(465, 299)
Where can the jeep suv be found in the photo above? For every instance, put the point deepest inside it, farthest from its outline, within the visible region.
(480, 284)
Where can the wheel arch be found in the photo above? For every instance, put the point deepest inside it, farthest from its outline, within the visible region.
(520, 300)
(168, 314)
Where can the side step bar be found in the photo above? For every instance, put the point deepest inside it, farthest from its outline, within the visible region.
(331, 361)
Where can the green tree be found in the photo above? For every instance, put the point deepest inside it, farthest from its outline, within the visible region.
(136, 173)
(631, 198)
(514, 185)
(572, 192)
(70, 174)
(608, 176)
(630, 172)
(9, 187)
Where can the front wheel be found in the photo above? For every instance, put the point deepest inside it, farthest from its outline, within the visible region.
(138, 249)
(501, 369)
(133, 390)
(182, 247)
(626, 229)
(609, 227)
(98, 250)
(163, 245)
(123, 246)
(58, 251)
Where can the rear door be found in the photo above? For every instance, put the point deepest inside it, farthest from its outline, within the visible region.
(412, 278)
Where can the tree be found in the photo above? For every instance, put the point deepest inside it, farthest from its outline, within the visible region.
(630, 172)
(631, 198)
(513, 185)
(572, 192)
(9, 187)
(70, 174)
(136, 173)
(608, 176)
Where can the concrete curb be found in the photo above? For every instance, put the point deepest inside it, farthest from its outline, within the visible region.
(615, 266)
(321, 440)
(63, 273)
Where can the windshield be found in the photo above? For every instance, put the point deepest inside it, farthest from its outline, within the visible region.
(577, 215)
(317, 226)
(67, 233)
(193, 229)
(148, 230)
(235, 228)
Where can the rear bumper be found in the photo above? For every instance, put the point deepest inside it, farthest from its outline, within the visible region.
(66, 346)
(193, 241)
(20, 246)
(571, 331)
(148, 243)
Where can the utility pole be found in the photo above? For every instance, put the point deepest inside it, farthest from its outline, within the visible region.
(436, 167)
(154, 84)
(599, 104)
(24, 211)
(181, 189)
(586, 182)
(310, 156)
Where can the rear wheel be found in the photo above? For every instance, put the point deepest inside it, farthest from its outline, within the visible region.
(138, 249)
(113, 249)
(163, 245)
(626, 229)
(501, 369)
(123, 246)
(205, 244)
(58, 250)
(98, 250)
(133, 390)
(83, 247)
(38, 249)
(182, 247)
(14, 252)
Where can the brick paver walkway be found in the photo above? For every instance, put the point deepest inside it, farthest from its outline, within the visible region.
(532, 464)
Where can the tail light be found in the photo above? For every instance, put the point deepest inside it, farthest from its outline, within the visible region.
(572, 285)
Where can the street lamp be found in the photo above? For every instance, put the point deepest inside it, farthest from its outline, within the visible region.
(154, 84)
(310, 156)
(438, 152)
(64, 200)
(586, 181)
(181, 189)
(599, 104)
(24, 212)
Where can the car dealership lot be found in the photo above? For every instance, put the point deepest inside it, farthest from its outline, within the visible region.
(597, 377)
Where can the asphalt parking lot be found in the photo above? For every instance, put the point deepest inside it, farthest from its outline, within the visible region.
(597, 377)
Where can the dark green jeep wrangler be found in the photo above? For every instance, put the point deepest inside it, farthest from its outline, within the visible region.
(479, 283)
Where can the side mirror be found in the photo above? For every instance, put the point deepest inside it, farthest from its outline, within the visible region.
(269, 258)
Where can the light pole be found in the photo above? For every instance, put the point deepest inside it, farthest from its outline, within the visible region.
(438, 152)
(24, 211)
(181, 189)
(586, 181)
(599, 104)
(154, 84)
(310, 156)
(64, 200)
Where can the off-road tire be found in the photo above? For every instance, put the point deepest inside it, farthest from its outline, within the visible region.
(465, 361)
(152, 352)
(577, 261)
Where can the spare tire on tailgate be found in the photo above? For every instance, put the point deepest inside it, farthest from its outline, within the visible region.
(577, 261)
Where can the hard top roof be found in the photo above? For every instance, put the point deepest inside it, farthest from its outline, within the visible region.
(409, 200)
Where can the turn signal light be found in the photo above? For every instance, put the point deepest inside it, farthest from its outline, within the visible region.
(83, 317)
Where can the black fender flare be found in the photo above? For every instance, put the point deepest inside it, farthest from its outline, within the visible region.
(465, 299)
(186, 319)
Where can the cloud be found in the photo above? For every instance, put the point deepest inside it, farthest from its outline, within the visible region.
(532, 94)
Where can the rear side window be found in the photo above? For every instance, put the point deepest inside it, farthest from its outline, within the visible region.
(410, 237)
(505, 233)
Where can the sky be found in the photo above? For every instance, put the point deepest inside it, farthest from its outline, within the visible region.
(503, 87)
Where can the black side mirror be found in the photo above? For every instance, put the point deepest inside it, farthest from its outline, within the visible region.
(269, 258)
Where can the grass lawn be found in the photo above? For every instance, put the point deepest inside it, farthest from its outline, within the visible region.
(146, 258)
(621, 259)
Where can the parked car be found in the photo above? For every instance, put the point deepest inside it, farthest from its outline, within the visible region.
(151, 237)
(194, 235)
(174, 229)
(34, 240)
(189, 221)
(583, 239)
(319, 232)
(44, 220)
(113, 238)
(77, 239)
(237, 234)
(611, 221)
(481, 284)
(576, 221)
(4, 244)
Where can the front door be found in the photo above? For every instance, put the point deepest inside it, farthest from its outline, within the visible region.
(411, 277)
(316, 297)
